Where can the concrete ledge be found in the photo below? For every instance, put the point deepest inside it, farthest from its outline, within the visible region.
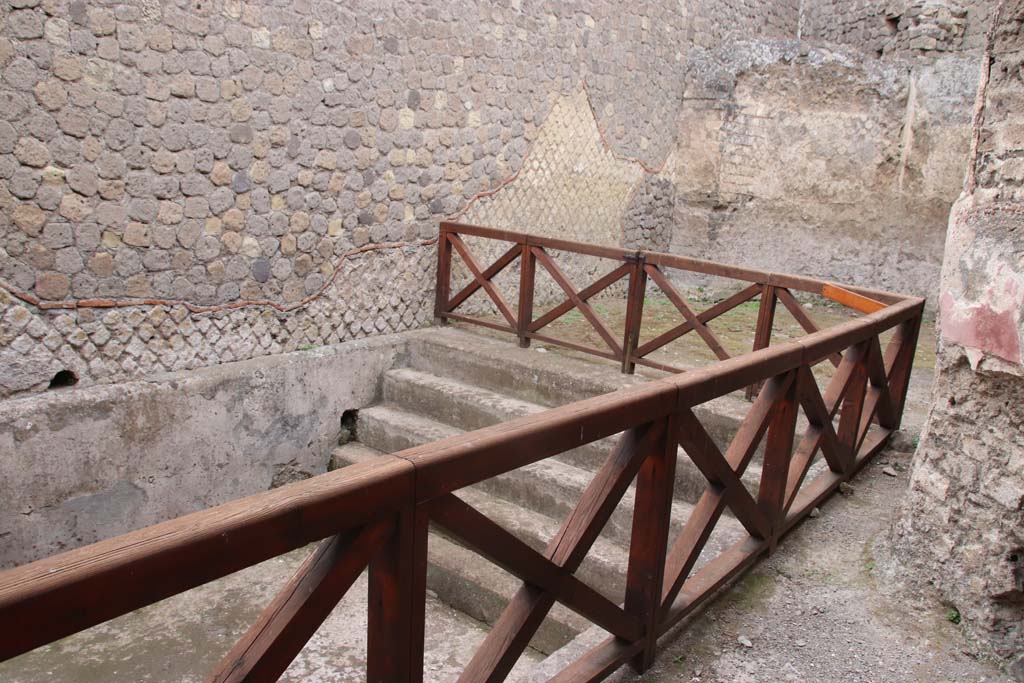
(78, 465)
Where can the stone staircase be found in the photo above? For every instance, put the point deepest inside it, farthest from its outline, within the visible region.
(453, 381)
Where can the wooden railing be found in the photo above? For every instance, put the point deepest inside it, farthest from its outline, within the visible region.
(376, 514)
(637, 266)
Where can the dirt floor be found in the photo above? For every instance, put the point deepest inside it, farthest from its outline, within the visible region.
(734, 329)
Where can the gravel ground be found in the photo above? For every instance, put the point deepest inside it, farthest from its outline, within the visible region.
(815, 611)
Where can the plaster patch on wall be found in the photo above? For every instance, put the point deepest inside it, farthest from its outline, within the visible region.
(983, 295)
(981, 327)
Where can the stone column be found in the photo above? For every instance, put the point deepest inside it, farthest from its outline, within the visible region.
(961, 528)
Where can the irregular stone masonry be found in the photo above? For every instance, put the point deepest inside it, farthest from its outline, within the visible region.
(376, 293)
(960, 531)
(232, 154)
(214, 154)
(918, 27)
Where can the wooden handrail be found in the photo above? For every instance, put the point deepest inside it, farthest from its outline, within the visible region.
(378, 513)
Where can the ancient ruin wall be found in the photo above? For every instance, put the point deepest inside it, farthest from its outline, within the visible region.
(185, 183)
(961, 529)
(921, 28)
(822, 161)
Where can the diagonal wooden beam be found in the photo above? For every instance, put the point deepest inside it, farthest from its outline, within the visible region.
(705, 317)
(899, 362)
(588, 312)
(516, 557)
(842, 380)
(691, 541)
(879, 400)
(515, 627)
(585, 294)
(744, 443)
(820, 419)
(819, 434)
(290, 620)
(802, 317)
(478, 275)
(704, 453)
(492, 270)
(684, 307)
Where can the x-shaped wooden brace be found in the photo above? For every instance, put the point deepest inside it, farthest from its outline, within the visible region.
(862, 386)
(578, 299)
(694, 321)
(483, 278)
(723, 489)
(549, 577)
(704, 317)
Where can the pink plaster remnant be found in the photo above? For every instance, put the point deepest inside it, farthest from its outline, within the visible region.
(981, 327)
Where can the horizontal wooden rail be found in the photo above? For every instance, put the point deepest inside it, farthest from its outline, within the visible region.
(376, 515)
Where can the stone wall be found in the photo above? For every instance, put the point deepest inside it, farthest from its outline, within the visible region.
(919, 28)
(255, 169)
(822, 161)
(961, 529)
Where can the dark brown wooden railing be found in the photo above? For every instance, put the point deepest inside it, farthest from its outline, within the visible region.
(638, 267)
(376, 514)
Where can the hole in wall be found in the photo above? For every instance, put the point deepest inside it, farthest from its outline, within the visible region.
(892, 24)
(349, 418)
(63, 378)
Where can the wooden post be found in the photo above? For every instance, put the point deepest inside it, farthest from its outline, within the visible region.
(778, 452)
(397, 603)
(634, 313)
(444, 276)
(763, 333)
(903, 364)
(527, 271)
(649, 540)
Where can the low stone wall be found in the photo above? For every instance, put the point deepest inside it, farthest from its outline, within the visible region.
(79, 465)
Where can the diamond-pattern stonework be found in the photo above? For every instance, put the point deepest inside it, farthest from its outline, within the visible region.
(109, 344)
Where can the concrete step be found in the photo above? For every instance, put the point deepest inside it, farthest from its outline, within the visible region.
(551, 487)
(498, 364)
(546, 379)
(470, 407)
